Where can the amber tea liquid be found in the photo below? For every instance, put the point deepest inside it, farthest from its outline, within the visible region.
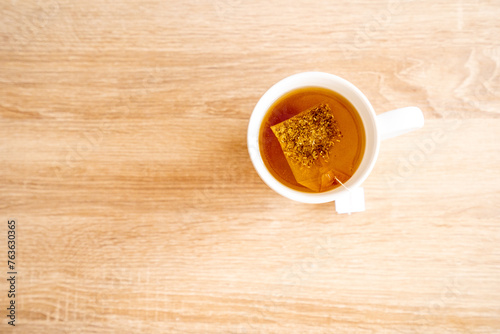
(347, 154)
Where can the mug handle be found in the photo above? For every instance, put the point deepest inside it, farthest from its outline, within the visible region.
(399, 121)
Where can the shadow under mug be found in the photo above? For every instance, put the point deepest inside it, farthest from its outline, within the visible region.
(390, 124)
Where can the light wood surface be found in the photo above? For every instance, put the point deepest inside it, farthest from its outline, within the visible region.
(124, 162)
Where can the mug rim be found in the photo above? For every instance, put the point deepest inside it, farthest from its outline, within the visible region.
(314, 79)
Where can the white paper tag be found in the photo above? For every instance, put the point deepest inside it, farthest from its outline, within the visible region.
(353, 200)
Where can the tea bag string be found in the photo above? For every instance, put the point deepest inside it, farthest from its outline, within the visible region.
(343, 185)
(350, 193)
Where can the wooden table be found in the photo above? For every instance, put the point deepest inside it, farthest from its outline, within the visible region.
(137, 209)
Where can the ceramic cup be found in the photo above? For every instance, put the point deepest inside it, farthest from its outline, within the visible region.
(377, 128)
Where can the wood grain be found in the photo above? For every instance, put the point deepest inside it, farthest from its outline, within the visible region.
(124, 162)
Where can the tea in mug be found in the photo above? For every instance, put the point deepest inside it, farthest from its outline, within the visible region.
(312, 139)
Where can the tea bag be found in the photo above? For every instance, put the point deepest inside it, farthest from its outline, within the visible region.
(307, 140)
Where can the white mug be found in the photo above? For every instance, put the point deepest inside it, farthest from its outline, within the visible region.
(349, 197)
